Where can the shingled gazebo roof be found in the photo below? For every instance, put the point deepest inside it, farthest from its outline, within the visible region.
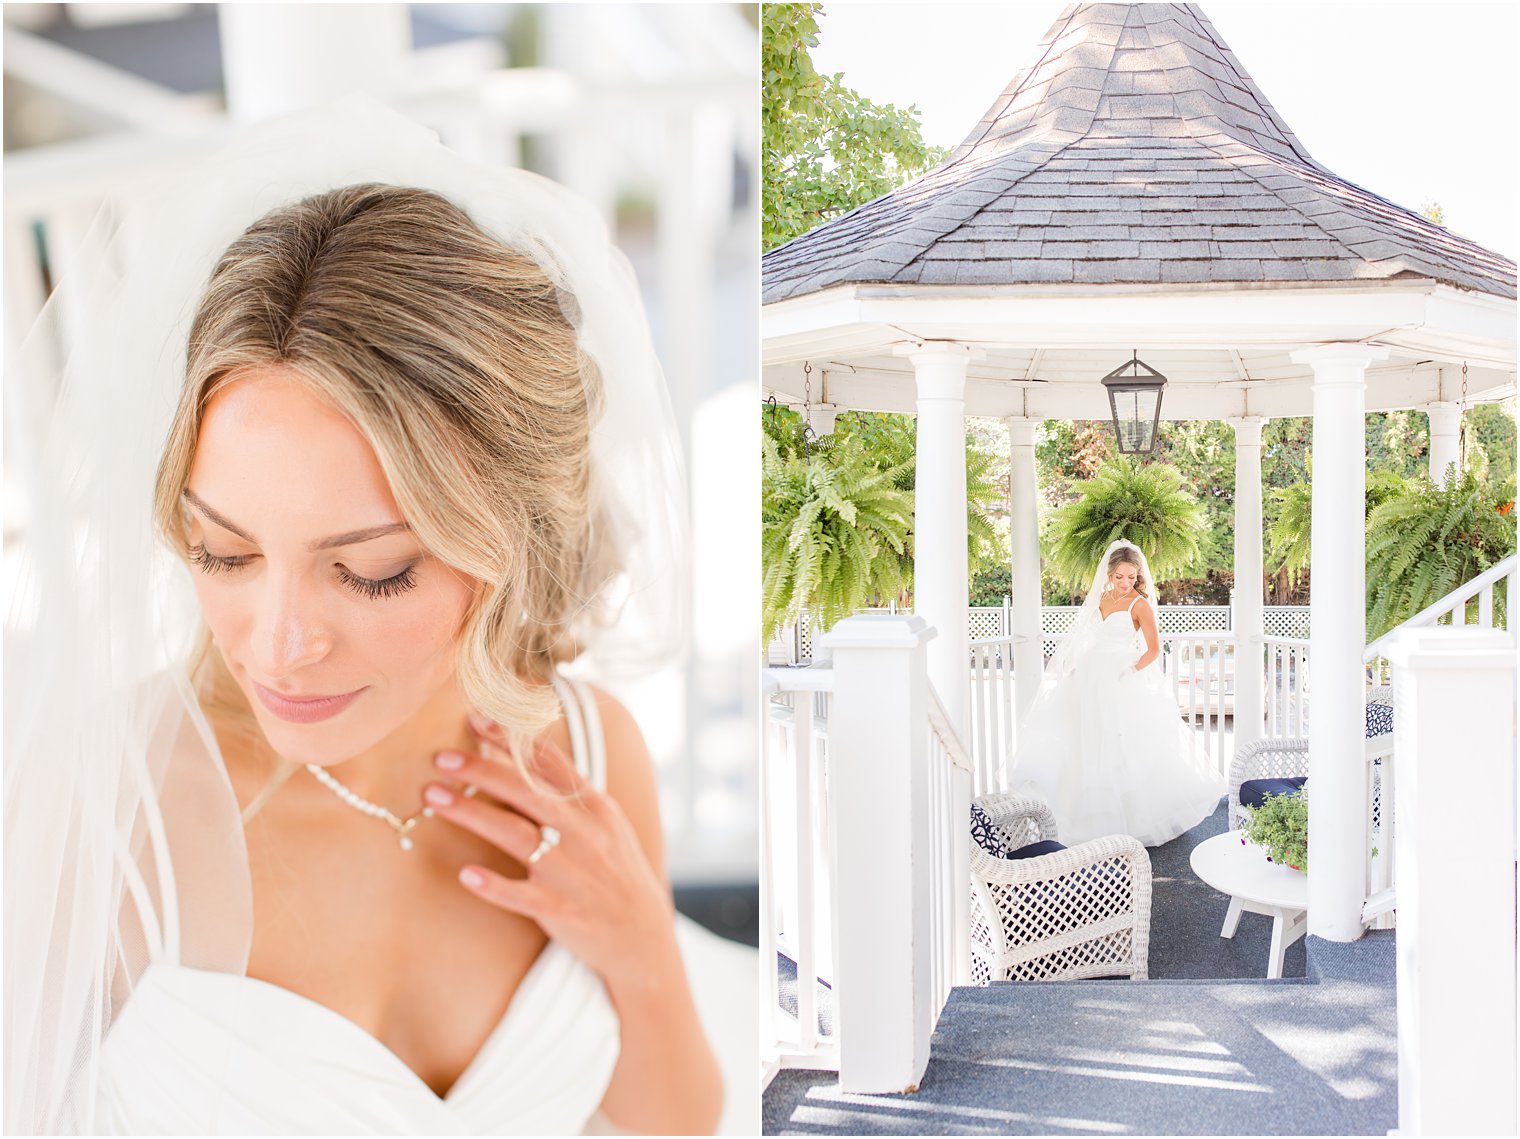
(1135, 149)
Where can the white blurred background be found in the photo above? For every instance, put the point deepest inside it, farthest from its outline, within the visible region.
(649, 110)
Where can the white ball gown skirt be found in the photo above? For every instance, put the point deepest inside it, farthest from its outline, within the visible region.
(1107, 749)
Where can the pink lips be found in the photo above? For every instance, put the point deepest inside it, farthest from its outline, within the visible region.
(307, 709)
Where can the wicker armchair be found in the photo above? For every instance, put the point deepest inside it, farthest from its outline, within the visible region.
(1289, 758)
(1060, 916)
(1264, 759)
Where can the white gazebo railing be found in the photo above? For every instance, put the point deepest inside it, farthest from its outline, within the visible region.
(795, 919)
(1470, 604)
(992, 727)
(1473, 606)
(1287, 687)
(866, 793)
(995, 622)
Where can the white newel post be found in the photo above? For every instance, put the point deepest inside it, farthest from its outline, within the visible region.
(1445, 425)
(1024, 557)
(879, 813)
(1454, 762)
(1247, 607)
(941, 585)
(1337, 636)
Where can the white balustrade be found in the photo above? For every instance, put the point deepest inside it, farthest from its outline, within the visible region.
(992, 731)
(1201, 668)
(795, 881)
(1287, 687)
(864, 876)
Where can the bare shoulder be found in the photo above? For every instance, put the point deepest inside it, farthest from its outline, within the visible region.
(1143, 609)
(630, 774)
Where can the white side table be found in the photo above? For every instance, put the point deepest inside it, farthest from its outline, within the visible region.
(1257, 885)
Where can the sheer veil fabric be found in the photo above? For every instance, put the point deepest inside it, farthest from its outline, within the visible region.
(123, 839)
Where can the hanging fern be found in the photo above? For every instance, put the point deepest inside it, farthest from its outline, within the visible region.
(1427, 541)
(834, 531)
(837, 516)
(1148, 505)
(1293, 512)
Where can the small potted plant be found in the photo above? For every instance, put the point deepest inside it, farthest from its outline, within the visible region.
(1280, 826)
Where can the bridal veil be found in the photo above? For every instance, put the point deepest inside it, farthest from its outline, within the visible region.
(123, 839)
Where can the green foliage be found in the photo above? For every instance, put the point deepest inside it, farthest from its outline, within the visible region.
(1148, 505)
(992, 586)
(862, 444)
(1280, 826)
(1426, 541)
(834, 530)
(1292, 512)
(826, 149)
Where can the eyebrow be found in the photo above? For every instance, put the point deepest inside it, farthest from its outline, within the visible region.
(349, 538)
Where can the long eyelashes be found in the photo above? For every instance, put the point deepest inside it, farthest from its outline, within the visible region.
(208, 562)
(386, 587)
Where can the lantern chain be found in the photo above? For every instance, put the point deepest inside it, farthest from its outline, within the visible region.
(1462, 423)
(808, 434)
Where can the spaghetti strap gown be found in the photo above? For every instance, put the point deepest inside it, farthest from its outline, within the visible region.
(1108, 750)
(196, 1052)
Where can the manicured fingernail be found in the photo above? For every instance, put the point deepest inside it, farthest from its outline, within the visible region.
(472, 877)
(480, 723)
(438, 796)
(449, 760)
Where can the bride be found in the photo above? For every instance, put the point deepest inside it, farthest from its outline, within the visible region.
(310, 826)
(1103, 743)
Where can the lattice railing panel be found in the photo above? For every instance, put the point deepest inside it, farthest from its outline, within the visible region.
(1285, 621)
(985, 621)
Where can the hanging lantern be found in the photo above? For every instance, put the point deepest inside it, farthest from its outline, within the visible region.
(1134, 397)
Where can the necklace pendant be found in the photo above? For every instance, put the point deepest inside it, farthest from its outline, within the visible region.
(404, 832)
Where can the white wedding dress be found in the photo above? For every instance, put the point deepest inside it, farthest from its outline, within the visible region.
(1106, 748)
(197, 1052)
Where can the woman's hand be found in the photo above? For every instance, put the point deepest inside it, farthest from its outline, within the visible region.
(593, 890)
(598, 893)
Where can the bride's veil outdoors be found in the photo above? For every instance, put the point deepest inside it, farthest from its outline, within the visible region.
(1084, 626)
(123, 834)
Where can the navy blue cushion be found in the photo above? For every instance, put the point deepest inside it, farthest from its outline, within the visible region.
(1035, 849)
(985, 835)
(1253, 792)
(1379, 720)
(990, 839)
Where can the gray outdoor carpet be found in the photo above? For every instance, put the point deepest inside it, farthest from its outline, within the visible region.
(1208, 1046)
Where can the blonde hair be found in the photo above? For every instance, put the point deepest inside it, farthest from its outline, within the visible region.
(1124, 556)
(454, 357)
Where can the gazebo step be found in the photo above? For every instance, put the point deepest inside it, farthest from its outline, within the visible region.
(1315, 1056)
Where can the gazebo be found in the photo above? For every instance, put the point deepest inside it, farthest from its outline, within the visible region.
(1133, 191)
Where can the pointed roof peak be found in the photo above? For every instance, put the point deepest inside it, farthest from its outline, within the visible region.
(1125, 70)
(1134, 150)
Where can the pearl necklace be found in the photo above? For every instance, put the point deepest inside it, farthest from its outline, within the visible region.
(402, 827)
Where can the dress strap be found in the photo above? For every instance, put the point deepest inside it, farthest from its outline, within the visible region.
(1131, 604)
(588, 747)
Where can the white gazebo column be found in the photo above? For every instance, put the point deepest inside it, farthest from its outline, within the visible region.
(1445, 425)
(941, 585)
(1247, 607)
(1338, 634)
(1024, 558)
